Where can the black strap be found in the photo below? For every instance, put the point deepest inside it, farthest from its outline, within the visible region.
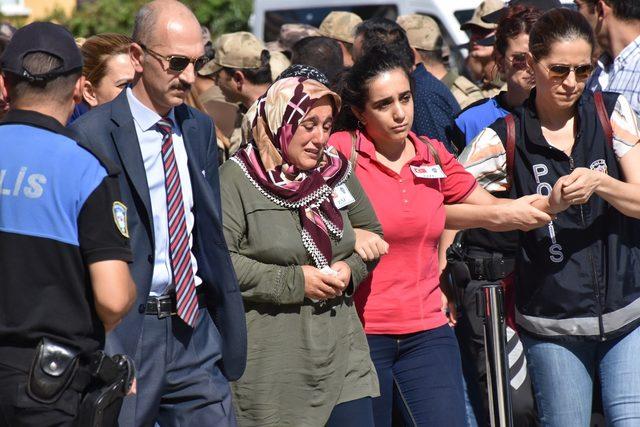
(494, 267)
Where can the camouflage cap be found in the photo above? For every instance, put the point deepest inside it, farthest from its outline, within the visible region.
(278, 63)
(542, 5)
(422, 31)
(340, 26)
(485, 8)
(290, 34)
(235, 50)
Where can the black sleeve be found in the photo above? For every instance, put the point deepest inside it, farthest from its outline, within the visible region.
(98, 233)
(458, 139)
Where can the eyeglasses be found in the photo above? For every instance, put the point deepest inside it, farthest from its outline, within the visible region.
(178, 63)
(519, 61)
(561, 71)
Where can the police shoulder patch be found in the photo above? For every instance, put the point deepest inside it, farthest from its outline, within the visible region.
(120, 218)
(599, 165)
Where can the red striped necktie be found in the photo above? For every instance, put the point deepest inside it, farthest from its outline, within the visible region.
(179, 250)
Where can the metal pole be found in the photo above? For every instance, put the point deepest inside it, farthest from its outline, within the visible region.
(495, 343)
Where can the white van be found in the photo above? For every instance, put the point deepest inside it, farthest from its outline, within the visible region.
(269, 15)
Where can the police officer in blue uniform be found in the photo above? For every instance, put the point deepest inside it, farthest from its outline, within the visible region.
(63, 236)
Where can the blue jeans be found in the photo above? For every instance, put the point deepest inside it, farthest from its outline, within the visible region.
(420, 376)
(355, 413)
(563, 375)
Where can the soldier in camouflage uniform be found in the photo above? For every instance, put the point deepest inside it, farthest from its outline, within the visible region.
(426, 39)
(290, 34)
(278, 63)
(341, 27)
(480, 63)
(241, 70)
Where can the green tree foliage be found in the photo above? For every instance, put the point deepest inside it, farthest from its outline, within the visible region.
(100, 16)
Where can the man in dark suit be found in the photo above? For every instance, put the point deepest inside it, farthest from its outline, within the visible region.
(187, 332)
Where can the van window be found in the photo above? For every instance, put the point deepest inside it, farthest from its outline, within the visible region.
(463, 15)
(274, 19)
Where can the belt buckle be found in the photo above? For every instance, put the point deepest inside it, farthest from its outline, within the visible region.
(159, 300)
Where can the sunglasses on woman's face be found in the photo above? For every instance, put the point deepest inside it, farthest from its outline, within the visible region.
(178, 63)
(519, 61)
(561, 71)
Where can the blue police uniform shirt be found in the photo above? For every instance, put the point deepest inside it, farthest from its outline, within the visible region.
(60, 211)
(478, 116)
(434, 107)
(51, 192)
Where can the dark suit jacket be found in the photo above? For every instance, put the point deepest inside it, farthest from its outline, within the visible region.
(110, 129)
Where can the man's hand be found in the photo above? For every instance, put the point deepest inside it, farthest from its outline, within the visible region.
(449, 309)
(134, 388)
(519, 214)
(320, 286)
(580, 185)
(370, 246)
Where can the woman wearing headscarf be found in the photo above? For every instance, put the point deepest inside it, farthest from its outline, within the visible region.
(290, 204)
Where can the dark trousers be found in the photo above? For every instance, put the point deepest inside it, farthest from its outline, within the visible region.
(179, 382)
(356, 413)
(420, 377)
(17, 409)
(470, 333)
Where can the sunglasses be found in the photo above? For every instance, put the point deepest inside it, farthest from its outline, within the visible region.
(519, 61)
(178, 63)
(476, 34)
(561, 71)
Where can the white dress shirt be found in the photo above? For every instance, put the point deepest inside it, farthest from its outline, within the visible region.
(150, 141)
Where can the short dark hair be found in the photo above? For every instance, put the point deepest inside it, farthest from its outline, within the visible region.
(354, 88)
(378, 32)
(592, 4)
(625, 10)
(256, 76)
(57, 90)
(431, 56)
(558, 25)
(517, 20)
(321, 53)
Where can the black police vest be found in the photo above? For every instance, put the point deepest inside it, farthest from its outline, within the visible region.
(578, 277)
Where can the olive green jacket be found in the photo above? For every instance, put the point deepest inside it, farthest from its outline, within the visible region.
(303, 357)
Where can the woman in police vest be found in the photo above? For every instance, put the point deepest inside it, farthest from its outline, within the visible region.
(577, 280)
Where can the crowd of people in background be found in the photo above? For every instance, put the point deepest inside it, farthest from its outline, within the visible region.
(292, 203)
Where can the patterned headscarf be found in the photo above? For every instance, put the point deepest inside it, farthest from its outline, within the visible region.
(265, 163)
(301, 70)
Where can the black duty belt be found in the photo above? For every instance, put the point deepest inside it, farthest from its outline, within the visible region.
(166, 305)
(492, 268)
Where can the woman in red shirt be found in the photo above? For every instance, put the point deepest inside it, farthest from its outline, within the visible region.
(408, 181)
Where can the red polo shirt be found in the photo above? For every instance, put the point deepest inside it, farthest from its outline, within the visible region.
(402, 295)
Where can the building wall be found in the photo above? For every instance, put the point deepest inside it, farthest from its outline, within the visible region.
(21, 11)
(43, 8)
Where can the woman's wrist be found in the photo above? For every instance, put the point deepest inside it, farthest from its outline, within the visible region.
(494, 215)
(601, 179)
